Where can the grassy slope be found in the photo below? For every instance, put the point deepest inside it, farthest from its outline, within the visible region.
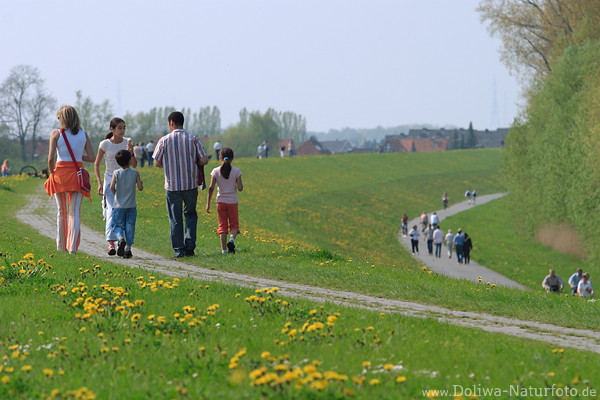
(332, 222)
(49, 353)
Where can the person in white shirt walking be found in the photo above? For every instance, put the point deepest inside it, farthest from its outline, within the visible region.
(450, 242)
(438, 239)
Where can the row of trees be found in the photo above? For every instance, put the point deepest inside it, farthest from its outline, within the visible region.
(27, 114)
(550, 158)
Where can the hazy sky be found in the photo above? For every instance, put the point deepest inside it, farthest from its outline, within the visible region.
(339, 63)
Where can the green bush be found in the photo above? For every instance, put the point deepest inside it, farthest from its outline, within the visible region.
(549, 162)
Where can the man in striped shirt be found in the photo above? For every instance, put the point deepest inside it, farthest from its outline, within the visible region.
(181, 154)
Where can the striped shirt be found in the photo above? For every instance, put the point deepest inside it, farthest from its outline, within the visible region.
(179, 152)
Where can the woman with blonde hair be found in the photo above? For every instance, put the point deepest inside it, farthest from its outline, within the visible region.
(63, 183)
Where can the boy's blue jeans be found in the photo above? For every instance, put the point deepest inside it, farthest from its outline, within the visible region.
(123, 221)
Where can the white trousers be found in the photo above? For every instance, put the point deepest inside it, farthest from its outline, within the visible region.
(68, 221)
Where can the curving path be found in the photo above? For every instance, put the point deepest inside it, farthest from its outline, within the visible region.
(450, 266)
(40, 213)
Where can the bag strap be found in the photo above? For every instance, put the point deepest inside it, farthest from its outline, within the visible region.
(64, 135)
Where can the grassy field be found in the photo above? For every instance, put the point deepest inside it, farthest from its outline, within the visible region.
(333, 221)
(76, 327)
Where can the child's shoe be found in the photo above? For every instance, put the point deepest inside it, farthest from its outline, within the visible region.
(127, 254)
(111, 248)
(121, 248)
(231, 246)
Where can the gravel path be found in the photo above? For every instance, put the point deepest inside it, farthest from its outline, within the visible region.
(450, 266)
(40, 213)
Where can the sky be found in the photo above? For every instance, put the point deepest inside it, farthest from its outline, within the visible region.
(339, 63)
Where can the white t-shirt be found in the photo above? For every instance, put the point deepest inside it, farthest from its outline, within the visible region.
(414, 234)
(581, 288)
(110, 150)
(227, 188)
(438, 236)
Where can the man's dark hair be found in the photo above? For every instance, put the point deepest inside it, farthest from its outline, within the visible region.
(177, 118)
(123, 157)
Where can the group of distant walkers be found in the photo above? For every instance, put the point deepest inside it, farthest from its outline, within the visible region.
(579, 282)
(460, 243)
(144, 153)
(179, 153)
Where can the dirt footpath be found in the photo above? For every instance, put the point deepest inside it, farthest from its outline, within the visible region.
(40, 213)
(450, 266)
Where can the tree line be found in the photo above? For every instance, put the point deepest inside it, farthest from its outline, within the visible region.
(27, 115)
(551, 152)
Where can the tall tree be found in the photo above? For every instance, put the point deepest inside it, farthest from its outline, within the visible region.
(25, 107)
(535, 32)
(95, 117)
(206, 122)
(471, 138)
(245, 137)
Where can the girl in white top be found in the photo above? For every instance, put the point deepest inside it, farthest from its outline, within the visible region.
(114, 141)
(229, 180)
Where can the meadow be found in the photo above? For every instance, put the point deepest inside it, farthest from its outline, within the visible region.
(82, 327)
(333, 222)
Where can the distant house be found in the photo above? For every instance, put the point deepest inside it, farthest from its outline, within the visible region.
(456, 136)
(401, 144)
(312, 147)
(337, 146)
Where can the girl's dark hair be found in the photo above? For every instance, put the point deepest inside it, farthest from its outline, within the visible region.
(113, 124)
(226, 156)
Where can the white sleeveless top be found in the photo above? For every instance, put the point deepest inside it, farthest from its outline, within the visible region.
(77, 143)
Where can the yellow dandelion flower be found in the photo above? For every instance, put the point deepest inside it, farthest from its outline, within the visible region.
(551, 374)
(388, 367)
(366, 364)
(49, 372)
(401, 379)
(319, 385)
(26, 368)
(309, 369)
(5, 379)
(374, 382)
(135, 317)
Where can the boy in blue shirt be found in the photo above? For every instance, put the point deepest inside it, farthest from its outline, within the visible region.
(124, 181)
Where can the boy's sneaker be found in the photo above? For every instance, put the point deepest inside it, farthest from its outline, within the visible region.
(231, 247)
(127, 254)
(111, 248)
(121, 248)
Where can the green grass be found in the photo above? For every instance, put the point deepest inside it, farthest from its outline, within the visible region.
(51, 349)
(297, 212)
